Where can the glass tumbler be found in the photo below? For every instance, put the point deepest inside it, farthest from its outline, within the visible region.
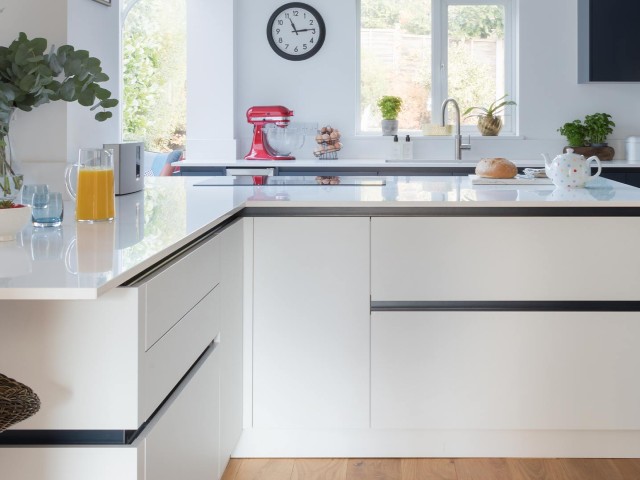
(47, 209)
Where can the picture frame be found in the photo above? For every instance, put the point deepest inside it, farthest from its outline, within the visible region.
(104, 2)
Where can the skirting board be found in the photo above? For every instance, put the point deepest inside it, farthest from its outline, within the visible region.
(369, 443)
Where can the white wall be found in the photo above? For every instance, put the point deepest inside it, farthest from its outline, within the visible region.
(323, 88)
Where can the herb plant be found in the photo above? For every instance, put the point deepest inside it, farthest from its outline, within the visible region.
(390, 107)
(598, 127)
(576, 133)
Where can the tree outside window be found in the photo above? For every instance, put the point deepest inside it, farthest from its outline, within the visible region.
(154, 60)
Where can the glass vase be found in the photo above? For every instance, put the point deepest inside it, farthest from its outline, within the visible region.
(11, 179)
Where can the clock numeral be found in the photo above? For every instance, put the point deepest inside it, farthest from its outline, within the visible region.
(280, 22)
(286, 45)
(277, 30)
(311, 41)
(310, 22)
(296, 13)
(313, 31)
(295, 49)
(280, 40)
(304, 46)
(286, 15)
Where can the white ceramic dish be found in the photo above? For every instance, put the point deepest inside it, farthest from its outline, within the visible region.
(12, 221)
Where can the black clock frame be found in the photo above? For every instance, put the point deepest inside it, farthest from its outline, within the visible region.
(321, 26)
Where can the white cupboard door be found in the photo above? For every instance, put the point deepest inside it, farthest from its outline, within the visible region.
(503, 370)
(230, 347)
(478, 258)
(311, 323)
(184, 444)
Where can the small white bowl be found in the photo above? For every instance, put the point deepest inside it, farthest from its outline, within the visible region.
(12, 221)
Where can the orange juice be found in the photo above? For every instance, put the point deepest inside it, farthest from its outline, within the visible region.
(96, 197)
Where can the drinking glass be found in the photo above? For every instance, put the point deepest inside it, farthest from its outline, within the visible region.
(47, 209)
(28, 190)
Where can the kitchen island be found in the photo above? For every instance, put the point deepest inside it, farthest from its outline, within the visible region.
(423, 317)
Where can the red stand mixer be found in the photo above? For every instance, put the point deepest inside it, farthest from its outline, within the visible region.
(269, 141)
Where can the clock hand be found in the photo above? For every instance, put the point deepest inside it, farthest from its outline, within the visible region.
(307, 30)
(294, 27)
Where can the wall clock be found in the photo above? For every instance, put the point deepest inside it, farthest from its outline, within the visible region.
(296, 31)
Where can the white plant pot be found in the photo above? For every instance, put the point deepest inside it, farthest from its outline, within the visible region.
(389, 127)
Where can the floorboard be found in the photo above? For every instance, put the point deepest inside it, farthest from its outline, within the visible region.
(432, 469)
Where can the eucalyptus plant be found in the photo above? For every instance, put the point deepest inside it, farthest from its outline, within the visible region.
(29, 77)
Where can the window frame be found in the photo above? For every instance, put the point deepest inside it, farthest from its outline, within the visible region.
(439, 61)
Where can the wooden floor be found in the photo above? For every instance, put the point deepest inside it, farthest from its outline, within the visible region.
(433, 469)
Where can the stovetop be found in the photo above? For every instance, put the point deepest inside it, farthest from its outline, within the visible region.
(323, 181)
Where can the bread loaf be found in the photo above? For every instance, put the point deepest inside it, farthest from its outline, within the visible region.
(496, 168)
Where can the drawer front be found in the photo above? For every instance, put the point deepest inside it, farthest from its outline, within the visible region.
(184, 442)
(505, 370)
(177, 287)
(166, 362)
(505, 259)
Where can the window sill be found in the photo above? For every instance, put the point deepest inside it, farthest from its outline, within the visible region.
(419, 137)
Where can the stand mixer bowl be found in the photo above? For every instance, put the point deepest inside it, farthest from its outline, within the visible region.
(281, 141)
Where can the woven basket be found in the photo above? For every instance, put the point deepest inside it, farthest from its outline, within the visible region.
(17, 402)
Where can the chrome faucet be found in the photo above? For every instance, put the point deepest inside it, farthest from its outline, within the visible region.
(457, 138)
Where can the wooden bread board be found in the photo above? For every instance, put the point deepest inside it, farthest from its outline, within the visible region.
(517, 180)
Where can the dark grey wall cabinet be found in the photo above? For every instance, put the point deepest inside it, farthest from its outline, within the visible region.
(608, 41)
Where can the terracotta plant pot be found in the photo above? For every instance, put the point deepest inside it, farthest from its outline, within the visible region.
(489, 126)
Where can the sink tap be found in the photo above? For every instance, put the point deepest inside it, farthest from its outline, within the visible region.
(457, 138)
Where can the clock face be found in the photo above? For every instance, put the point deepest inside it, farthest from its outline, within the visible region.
(296, 31)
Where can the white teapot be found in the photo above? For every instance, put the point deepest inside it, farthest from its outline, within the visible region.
(570, 169)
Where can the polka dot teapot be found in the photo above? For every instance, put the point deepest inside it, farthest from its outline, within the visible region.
(570, 169)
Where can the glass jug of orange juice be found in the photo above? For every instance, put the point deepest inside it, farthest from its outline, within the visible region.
(94, 188)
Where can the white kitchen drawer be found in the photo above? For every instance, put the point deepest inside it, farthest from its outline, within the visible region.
(479, 258)
(505, 370)
(166, 362)
(176, 287)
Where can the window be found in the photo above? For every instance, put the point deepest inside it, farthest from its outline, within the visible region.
(154, 65)
(427, 50)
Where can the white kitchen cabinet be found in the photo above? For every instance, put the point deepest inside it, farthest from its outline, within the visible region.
(311, 323)
(483, 259)
(111, 363)
(505, 370)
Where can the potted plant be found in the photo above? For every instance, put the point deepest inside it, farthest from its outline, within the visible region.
(589, 137)
(29, 77)
(489, 123)
(598, 127)
(390, 107)
(576, 133)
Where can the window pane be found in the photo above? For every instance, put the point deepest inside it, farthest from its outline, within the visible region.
(476, 62)
(395, 52)
(155, 71)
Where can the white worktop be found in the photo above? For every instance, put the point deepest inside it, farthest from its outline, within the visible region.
(83, 261)
(373, 163)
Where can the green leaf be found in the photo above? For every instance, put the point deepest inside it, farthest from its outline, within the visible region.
(67, 91)
(27, 83)
(72, 67)
(54, 64)
(102, 93)
(22, 54)
(102, 116)
(101, 77)
(109, 103)
(86, 97)
(38, 45)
